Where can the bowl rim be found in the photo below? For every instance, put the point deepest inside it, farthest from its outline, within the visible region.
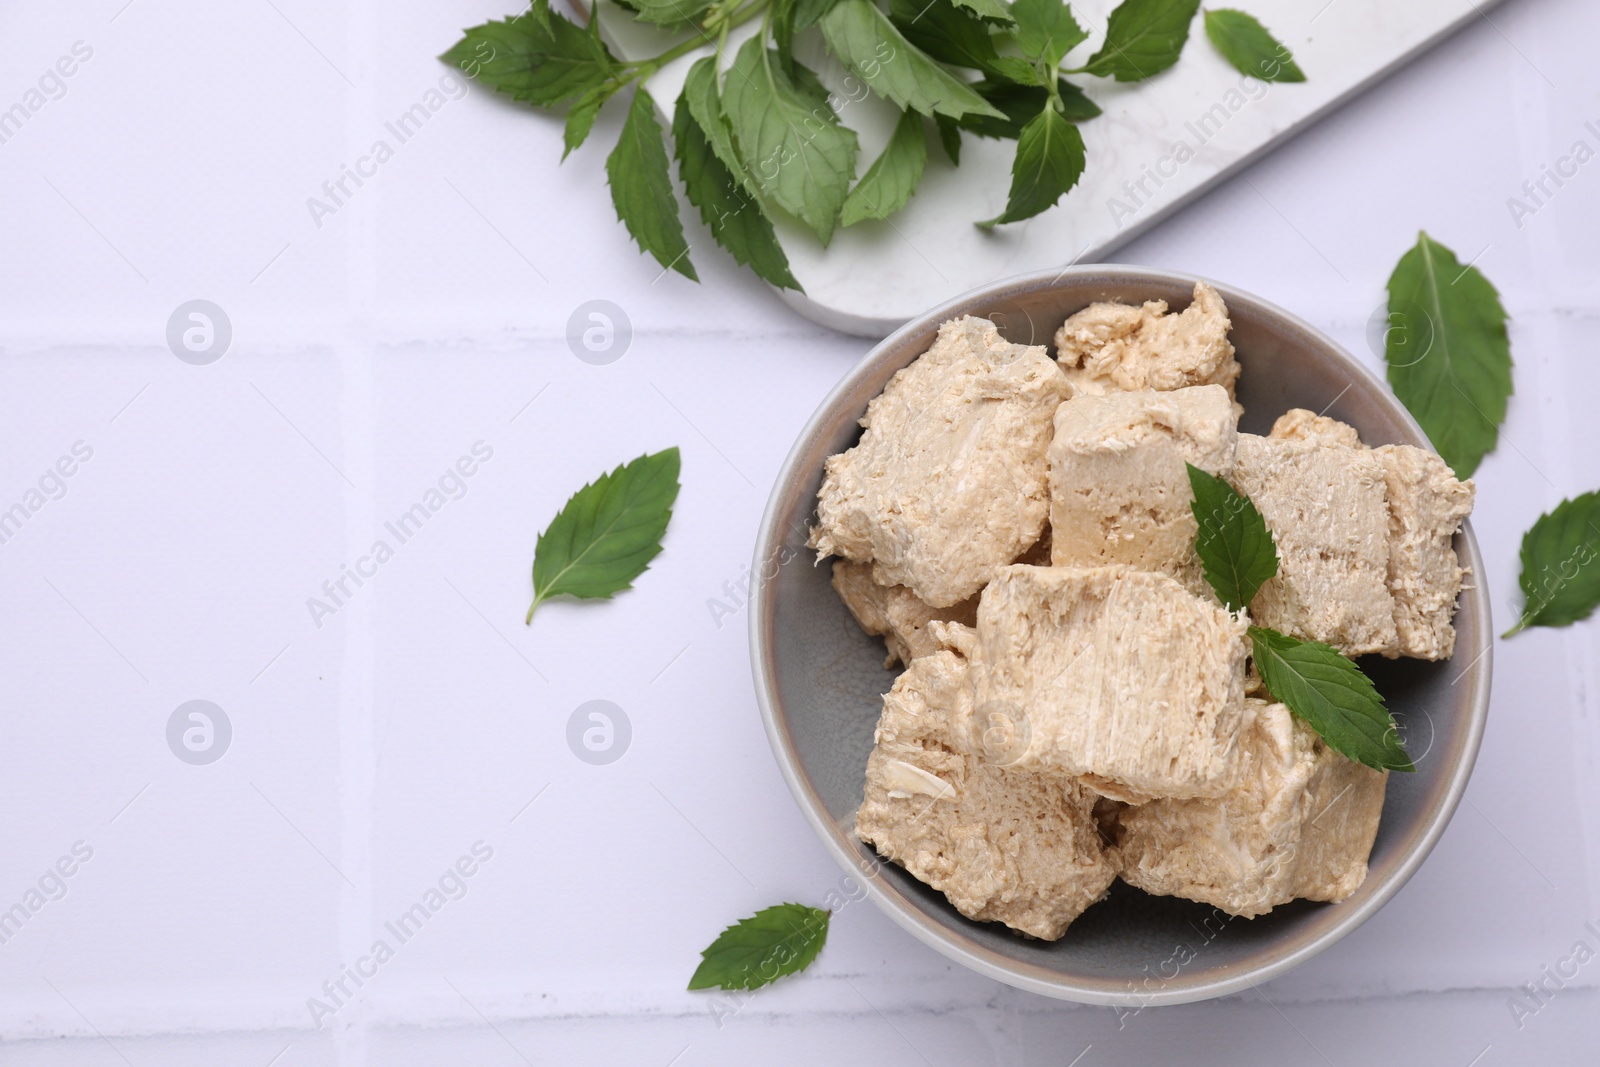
(835, 838)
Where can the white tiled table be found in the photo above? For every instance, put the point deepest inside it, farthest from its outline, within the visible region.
(371, 752)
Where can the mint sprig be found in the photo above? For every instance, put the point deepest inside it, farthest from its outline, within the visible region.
(762, 138)
(1313, 680)
(771, 943)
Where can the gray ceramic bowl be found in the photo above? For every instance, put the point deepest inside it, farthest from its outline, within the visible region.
(819, 679)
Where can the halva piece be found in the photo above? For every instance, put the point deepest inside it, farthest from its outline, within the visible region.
(1299, 822)
(1108, 346)
(1426, 505)
(1119, 677)
(948, 482)
(1003, 845)
(1327, 508)
(1119, 482)
(894, 612)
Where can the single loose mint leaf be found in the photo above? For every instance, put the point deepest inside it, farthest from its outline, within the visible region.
(672, 13)
(1049, 162)
(1448, 354)
(608, 533)
(728, 207)
(538, 57)
(641, 187)
(1021, 103)
(1560, 576)
(1236, 550)
(763, 948)
(794, 150)
(893, 176)
(1143, 38)
(1245, 43)
(867, 42)
(1046, 30)
(1332, 694)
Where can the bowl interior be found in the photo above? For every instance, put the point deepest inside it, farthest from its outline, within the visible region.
(821, 679)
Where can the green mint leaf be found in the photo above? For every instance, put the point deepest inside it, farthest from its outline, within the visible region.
(808, 13)
(536, 58)
(580, 118)
(705, 105)
(1448, 354)
(952, 35)
(1143, 38)
(1560, 576)
(727, 206)
(1245, 43)
(671, 13)
(1333, 695)
(607, 534)
(641, 187)
(989, 11)
(867, 42)
(893, 176)
(1021, 103)
(1049, 162)
(763, 948)
(1236, 551)
(794, 150)
(949, 138)
(1046, 30)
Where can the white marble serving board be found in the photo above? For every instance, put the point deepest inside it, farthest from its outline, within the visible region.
(1158, 145)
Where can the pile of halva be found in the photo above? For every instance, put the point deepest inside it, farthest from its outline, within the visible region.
(1076, 704)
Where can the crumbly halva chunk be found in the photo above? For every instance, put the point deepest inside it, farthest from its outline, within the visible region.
(1426, 505)
(1119, 484)
(948, 482)
(1327, 507)
(1298, 823)
(1107, 347)
(1118, 677)
(894, 612)
(1003, 845)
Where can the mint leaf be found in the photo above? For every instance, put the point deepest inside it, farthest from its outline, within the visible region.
(1448, 354)
(538, 57)
(641, 187)
(808, 13)
(580, 119)
(1560, 576)
(1245, 43)
(988, 10)
(893, 176)
(949, 138)
(705, 105)
(727, 206)
(867, 42)
(1143, 38)
(1046, 30)
(794, 150)
(670, 13)
(1333, 695)
(1049, 162)
(1236, 550)
(763, 948)
(608, 532)
(1020, 103)
(951, 35)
